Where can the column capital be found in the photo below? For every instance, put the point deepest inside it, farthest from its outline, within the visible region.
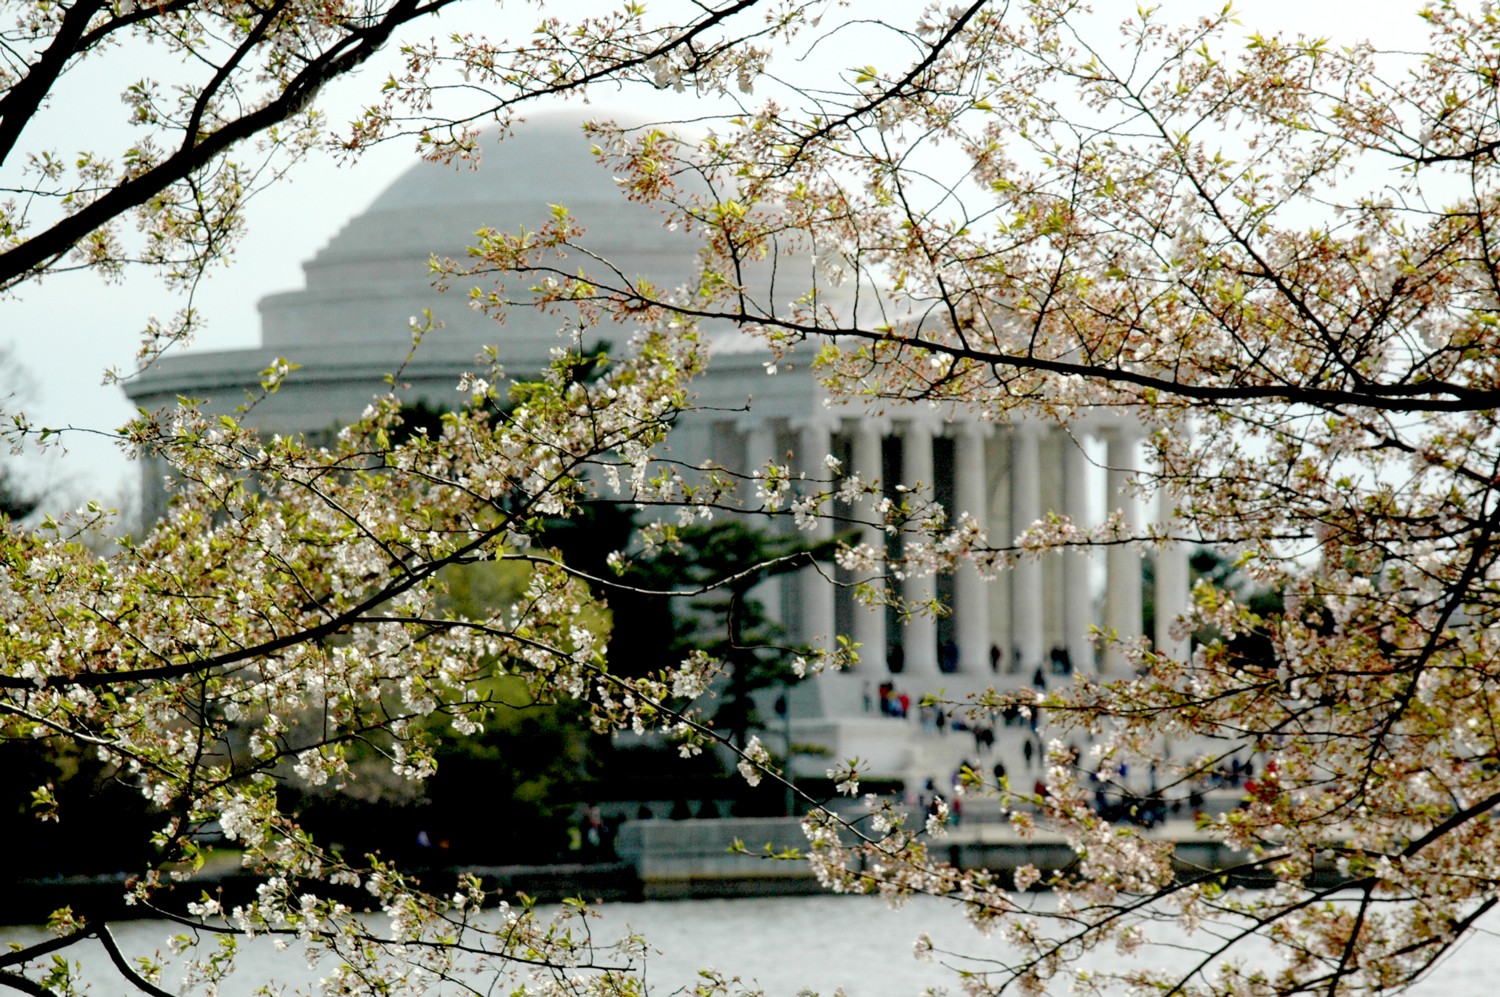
(820, 420)
(752, 423)
(969, 428)
(921, 422)
(1030, 428)
(1126, 431)
(1092, 424)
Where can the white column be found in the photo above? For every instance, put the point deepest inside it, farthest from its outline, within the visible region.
(1172, 583)
(869, 622)
(760, 450)
(971, 607)
(1078, 596)
(1123, 563)
(815, 582)
(919, 642)
(1002, 640)
(1026, 578)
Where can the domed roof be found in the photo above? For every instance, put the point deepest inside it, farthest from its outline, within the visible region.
(374, 273)
(547, 155)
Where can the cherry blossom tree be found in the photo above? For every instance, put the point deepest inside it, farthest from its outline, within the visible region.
(16, 498)
(1274, 253)
(210, 657)
(228, 104)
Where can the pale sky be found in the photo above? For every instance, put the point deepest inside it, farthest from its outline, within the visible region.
(68, 331)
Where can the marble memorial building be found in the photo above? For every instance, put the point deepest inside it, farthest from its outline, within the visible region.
(349, 327)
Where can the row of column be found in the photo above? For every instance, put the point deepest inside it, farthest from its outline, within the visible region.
(978, 646)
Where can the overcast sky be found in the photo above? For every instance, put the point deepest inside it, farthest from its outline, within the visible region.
(68, 331)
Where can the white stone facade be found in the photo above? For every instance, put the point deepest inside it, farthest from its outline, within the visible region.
(349, 328)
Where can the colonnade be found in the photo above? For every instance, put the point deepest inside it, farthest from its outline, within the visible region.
(1038, 613)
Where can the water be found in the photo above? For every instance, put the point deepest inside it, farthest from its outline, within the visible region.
(782, 945)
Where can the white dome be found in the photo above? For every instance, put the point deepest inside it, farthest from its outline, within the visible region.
(374, 273)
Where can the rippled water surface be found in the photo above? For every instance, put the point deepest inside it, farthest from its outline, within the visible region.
(785, 945)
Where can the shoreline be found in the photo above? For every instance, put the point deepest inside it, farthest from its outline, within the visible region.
(654, 860)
